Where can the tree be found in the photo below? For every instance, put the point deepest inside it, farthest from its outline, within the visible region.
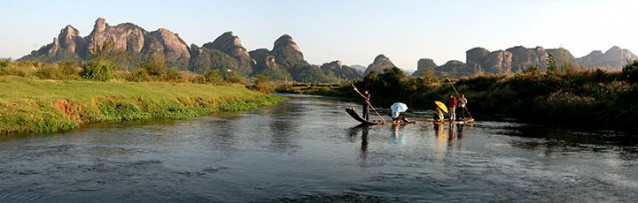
(428, 74)
(101, 65)
(4, 62)
(214, 76)
(155, 65)
(551, 65)
(630, 72)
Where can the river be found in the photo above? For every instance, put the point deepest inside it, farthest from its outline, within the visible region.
(308, 149)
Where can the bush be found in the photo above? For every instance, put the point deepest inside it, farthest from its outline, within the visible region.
(4, 62)
(630, 72)
(68, 68)
(213, 76)
(98, 69)
(264, 84)
(139, 75)
(172, 74)
(232, 77)
(49, 72)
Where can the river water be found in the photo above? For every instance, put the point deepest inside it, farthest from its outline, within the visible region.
(308, 149)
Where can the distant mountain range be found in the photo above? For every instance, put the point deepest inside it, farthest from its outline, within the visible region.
(286, 61)
(225, 53)
(517, 59)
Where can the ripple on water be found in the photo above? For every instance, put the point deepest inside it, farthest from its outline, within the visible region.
(343, 197)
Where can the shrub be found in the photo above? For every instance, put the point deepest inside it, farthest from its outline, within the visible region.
(68, 68)
(213, 76)
(172, 74)
(49, 72)
(630, 72)
(139, 75)
(98, 69)
(263, 84)
(232, 77)
(4, 62)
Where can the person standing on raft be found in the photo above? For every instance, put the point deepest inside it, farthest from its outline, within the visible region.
(462, 103)
(452, 102)
(365, 111)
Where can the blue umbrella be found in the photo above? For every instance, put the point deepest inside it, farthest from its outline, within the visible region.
(399, 107)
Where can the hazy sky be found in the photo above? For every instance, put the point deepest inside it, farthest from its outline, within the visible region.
(353, 31)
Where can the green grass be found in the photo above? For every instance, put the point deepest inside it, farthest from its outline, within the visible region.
(31, 105)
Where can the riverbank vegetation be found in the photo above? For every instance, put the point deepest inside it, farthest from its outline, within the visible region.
(586, 98)
(41, 97)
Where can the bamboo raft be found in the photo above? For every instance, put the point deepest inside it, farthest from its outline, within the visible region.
(353, 113)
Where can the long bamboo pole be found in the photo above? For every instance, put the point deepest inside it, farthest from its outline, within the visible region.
(368, 103)
(458, 95)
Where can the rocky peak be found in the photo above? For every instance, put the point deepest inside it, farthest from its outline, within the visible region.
(595, 53)
(523, 58)
(100, 25)
(381, 62)
(174, 48)
(338, 63)
(332, 65)
(286, 41)
(287, 53)
(69, 32)
(231, 45)
(195, 49)
(70, 40)
(614, 58)
(422, 65)
(563, 57)
(498, 62)
(264, 60)
(337, 69)
(453, 63)
(227, 42)
(476, 55)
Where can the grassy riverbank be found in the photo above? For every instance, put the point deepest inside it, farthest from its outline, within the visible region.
(32, 105)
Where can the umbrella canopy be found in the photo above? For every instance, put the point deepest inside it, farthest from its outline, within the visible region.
(399, 107)
(441, 105)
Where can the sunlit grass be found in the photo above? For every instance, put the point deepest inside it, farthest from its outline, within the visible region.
(31, 105)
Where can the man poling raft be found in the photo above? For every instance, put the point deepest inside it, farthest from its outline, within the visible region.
(397, 120)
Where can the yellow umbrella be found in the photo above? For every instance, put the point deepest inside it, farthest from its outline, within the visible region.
(441, 105)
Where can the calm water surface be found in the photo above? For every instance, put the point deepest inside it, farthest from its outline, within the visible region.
(308, 149)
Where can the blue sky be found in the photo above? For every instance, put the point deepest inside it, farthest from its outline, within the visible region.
(353, 31)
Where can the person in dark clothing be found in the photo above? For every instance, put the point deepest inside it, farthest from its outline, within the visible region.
(365, 111)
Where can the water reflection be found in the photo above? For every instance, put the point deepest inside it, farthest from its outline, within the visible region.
(447, 140)
(238, 158)
(397, 138)
(352, 135)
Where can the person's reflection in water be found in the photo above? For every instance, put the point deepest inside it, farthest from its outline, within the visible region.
(441, 142)
(460, 132)
(396, 137)
(364, 143)
(352, 135)
(364, 139)
(452, 135)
